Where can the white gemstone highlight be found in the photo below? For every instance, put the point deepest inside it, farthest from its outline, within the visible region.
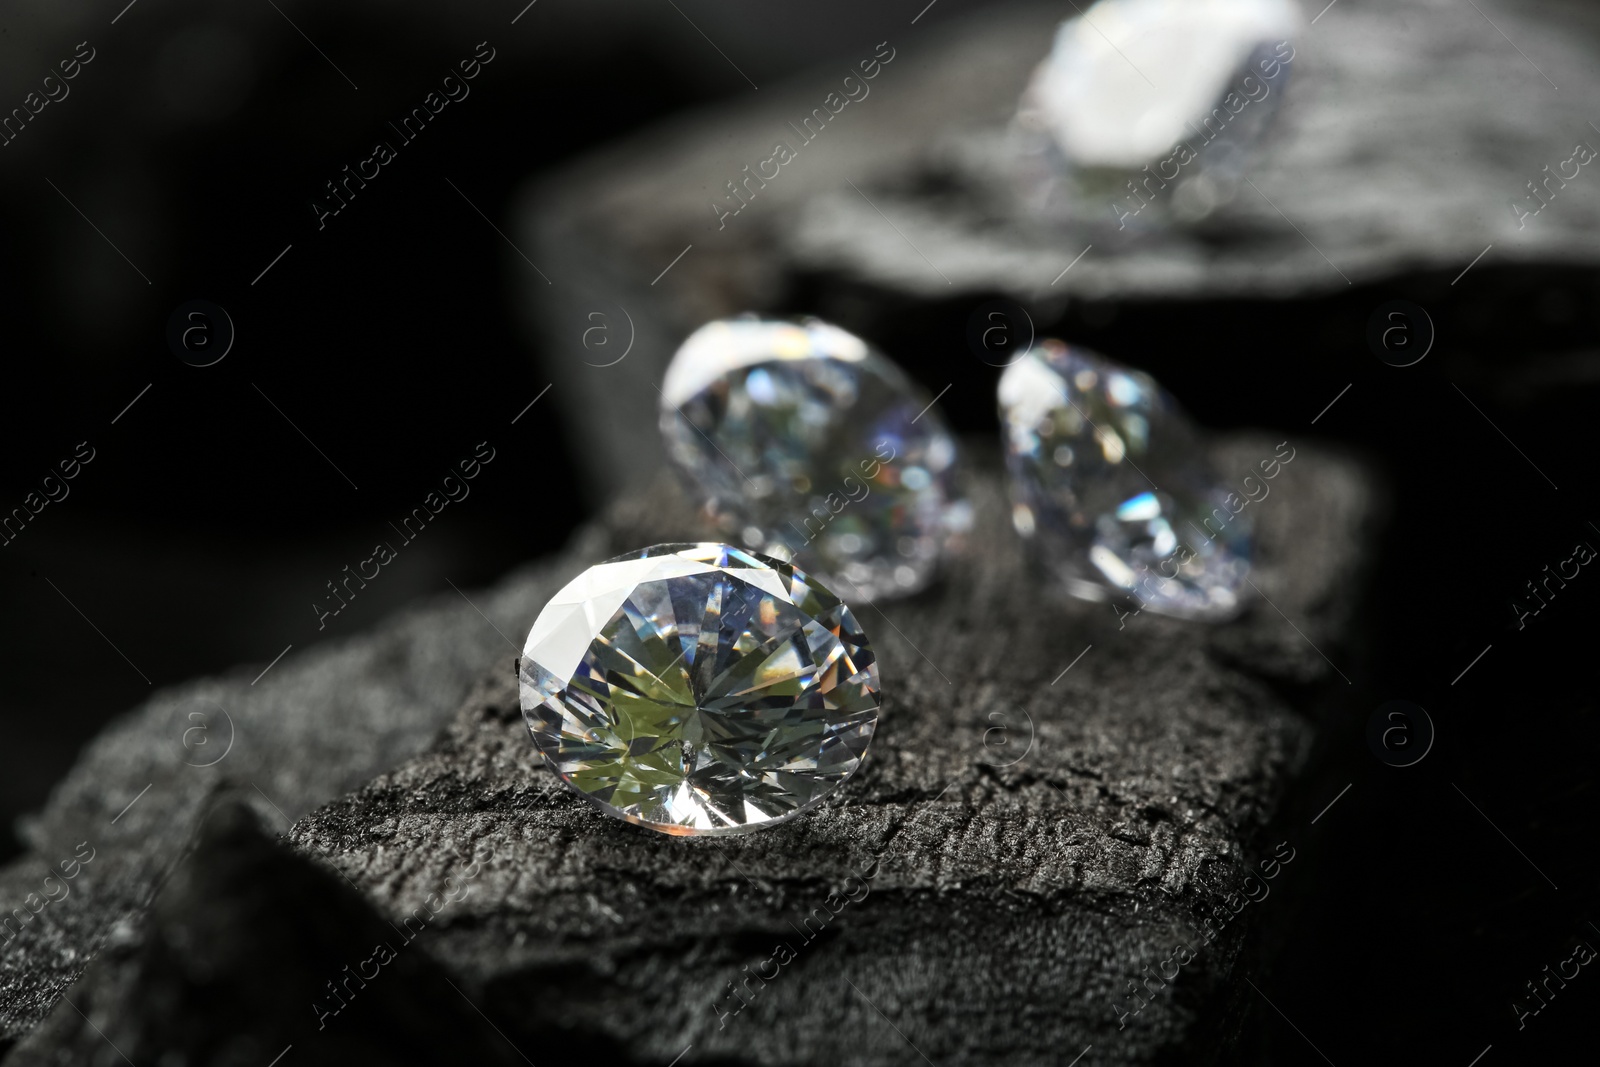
(699, 689)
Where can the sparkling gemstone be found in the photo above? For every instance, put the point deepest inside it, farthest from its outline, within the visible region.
(805, 443)
(699, 689)
(1181, 88)
(1110, 484)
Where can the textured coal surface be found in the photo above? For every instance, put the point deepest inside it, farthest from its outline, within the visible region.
(250, 951)
(1019, 845)
(310, 729)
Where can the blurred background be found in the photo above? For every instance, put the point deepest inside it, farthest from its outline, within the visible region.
(195, 142)
(373, 354)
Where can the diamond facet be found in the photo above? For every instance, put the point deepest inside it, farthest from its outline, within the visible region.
(699, 689)
(807, 444)
(1109, 483)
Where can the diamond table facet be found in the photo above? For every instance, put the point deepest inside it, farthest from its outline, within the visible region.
(1110, 485)
(699, 689)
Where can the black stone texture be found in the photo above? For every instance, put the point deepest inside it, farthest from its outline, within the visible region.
(1018, 880)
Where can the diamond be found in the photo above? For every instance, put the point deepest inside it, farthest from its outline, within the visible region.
(1181, 88)
(699, 689)
(1110, 485)
(805, 443)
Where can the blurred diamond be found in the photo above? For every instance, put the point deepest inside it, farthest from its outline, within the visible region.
(808, 445)
(1112, 488)
(1140, 95)
(699, 689)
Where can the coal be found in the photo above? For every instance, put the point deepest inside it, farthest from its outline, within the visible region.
(1058, 796)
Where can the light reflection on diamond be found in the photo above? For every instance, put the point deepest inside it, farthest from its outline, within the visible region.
(1143, 506)
(699, 689)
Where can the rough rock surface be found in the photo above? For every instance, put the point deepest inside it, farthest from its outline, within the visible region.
(313, 727)
(1025, 840)
(233, 963)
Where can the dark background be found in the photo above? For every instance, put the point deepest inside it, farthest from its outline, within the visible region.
(206, 525)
